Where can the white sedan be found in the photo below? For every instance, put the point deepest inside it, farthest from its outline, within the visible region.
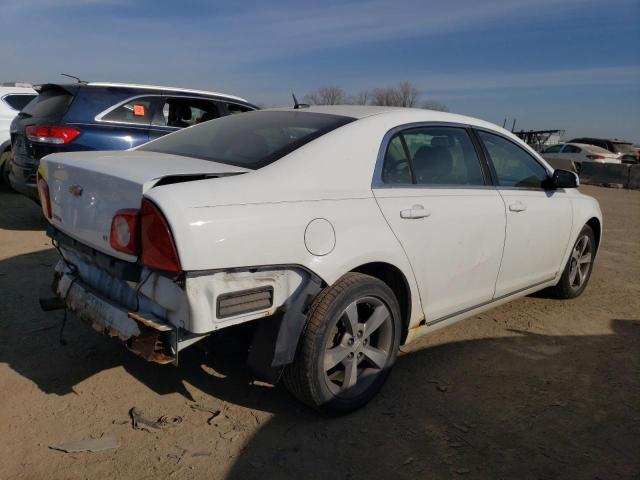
(578, 153)
(339, 233)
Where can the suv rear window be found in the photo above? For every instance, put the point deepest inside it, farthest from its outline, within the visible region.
(18, 101)
(52, 102)
(252, 140)
(624, 148)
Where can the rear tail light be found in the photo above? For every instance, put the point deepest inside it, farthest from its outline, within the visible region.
(158, 249)
(125, 231)
(595, 157)
(53, 135)
(45, 197)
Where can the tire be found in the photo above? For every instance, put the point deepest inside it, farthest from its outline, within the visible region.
(4, 167)
(356, 319)
(574, 280)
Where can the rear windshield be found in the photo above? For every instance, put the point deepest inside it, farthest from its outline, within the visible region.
(625, 148)
(18, 101)
(252, 140)
(52, 102)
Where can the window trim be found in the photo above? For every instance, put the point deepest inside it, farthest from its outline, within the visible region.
(492, 167)
(378, 183)
(222, 110)
(219, 103)
(34, 95)
(99, 117)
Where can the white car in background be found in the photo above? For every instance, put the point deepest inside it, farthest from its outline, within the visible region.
(338, 232)
(12, 100)
(579, 153)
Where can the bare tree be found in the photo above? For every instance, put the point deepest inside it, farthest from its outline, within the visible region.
(331, 95)
(435, 105)
(404, 95)
(362, 98)
(385, 97)
(408, 94)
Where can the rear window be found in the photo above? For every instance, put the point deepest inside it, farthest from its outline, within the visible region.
(52, 102)
(252, 140)
(18, 101)
(625, 148)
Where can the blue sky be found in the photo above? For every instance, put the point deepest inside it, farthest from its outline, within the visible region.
(571, 64)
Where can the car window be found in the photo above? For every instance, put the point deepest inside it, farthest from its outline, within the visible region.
(186, 112)
(18, 101)
(571, 149)
(52, 102)
(234, 108)
(396, 165)
(552, 149)
(252, 140)
(137, 111)
(437, 156)
(624, 148)
(513, 165)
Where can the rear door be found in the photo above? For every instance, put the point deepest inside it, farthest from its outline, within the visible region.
(175, 112)
(538, 220)
(124, 125)
(434, 193)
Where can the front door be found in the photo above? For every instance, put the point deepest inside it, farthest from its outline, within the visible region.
(434, 193)
(538, 220)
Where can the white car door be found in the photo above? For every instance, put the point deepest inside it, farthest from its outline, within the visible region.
(435, 194)
(538, 220)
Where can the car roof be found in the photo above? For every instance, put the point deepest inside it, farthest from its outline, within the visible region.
(590, 139)
(18, 90)
(363, 111)
(168, 89)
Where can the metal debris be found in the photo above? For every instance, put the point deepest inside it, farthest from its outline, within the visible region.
(203, 408)
(139, 422)
(105, 442)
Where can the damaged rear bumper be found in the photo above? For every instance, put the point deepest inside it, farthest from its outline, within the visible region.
(142, 333)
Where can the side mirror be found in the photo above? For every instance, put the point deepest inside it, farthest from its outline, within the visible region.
(564, 179)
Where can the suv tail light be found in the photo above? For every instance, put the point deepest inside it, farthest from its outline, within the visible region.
(125, 231)
(158, 249)
(52, 135)
(45, 197)
(595, 157)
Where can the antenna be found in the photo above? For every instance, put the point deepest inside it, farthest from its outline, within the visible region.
(504, 122)
(74, 77)
(513, 126)
(296, 104)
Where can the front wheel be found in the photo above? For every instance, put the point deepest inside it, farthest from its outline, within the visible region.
(577, 271)
(349, 344)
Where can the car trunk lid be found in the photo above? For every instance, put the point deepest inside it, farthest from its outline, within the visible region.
(87, 188)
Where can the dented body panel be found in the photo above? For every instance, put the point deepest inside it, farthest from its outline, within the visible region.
(274, 237)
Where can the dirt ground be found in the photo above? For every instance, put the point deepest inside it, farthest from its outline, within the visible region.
(537, 388)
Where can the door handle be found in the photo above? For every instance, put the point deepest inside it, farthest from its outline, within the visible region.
(517, 207)
(416, 211)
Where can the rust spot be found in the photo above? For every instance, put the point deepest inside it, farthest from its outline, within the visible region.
(150, 346)
(421, 323)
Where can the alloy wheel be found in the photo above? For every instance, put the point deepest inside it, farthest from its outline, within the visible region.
(581, 258)
(358, 346)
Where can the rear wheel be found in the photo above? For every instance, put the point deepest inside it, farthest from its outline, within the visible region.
(578, 269)
(348, 347)
(4, 166)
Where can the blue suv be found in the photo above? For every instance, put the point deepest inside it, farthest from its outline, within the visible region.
(104, 116)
